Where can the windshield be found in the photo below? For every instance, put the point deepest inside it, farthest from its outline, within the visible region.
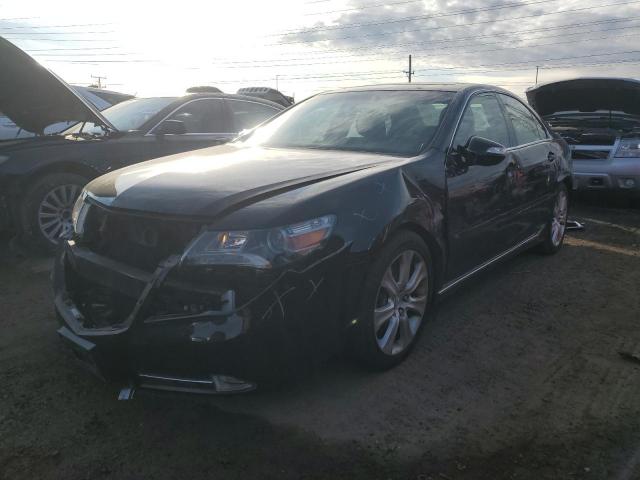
(390, 122)
(126, 116)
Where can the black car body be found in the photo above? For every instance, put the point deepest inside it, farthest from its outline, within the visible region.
(40, 177)
(213, 270)
(600, 120)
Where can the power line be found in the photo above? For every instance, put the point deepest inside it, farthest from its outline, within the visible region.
(17, 18)
(394, 46)
(68, 49)
(82, 54)
(484, 22)
(251, 63)
(92, 62)
(15, 27)
(332, 62)
(475, 37)
(57, 33)
(411, 19)
(572, 57)
(63, 39)
(389, 4)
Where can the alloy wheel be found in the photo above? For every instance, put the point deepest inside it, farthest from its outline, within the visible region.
(559, 221)
(401, 302)
(54, 212)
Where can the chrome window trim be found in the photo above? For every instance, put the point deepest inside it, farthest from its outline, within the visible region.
(462, 112)
(251, 101)
(535, 117)
(524, 145)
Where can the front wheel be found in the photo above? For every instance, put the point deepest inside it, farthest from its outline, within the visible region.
(47, 207)
(396, 296)
(556, 226)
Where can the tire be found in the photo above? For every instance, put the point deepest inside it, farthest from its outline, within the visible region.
(554, 231)
(370, 347)
(46, 209)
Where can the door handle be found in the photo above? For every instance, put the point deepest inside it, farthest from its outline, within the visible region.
(551, 156)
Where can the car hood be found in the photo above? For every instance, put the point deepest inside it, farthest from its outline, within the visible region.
(586, 95)
(216, 181)
(34, 97)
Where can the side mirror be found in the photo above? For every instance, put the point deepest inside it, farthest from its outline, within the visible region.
(171, 127)
(484, 152)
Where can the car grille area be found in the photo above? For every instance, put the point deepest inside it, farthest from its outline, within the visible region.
(99, 305)
(135, 240)
(578, 154)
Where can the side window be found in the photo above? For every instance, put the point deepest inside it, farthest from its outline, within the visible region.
(483, 118)
(249, 114)
(203, 116)
(526, 127)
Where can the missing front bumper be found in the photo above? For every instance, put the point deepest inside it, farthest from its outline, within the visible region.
(274, 333)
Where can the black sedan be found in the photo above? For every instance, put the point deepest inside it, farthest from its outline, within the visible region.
(41, 177)
(333, 225)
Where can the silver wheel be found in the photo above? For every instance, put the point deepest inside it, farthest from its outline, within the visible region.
(401, 302)
(54, 212)
(559, 221)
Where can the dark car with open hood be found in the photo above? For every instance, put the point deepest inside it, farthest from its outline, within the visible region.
(600, 120)
(41, 177)
(334, 225)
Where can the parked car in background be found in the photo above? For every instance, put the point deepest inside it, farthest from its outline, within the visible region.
(40, 177)
(600, 120)
(100, 98)
(334, 224)
(268, 94)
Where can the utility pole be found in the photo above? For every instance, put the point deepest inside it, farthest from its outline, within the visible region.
(409, 72)
(537, 68)
(99, 78)
(277, 82)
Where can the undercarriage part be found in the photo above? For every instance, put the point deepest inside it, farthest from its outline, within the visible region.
(574, 225)
(126, 393)
(214, 384)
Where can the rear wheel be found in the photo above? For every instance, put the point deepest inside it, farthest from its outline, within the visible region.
(396, 296)
(556, 227)
(46, 211)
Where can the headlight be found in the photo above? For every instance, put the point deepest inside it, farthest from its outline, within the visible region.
(260, 248)
(629, 147)
(79, 213)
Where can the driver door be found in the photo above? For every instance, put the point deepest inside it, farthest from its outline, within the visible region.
(480, 223)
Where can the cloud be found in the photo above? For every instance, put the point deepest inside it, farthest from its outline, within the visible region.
(459, 39)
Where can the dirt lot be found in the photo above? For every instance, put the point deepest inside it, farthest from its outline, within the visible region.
(517, 375)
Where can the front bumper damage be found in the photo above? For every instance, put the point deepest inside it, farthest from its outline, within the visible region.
(259, 331)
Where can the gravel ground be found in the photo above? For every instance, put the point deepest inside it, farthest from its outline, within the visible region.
(516, 375)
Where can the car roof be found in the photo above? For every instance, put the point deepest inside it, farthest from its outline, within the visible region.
(233, 96)
(423, 86)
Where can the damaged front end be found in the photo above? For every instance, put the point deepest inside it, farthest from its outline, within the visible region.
(176, 305)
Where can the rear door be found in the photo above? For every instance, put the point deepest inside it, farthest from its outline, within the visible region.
(207, 122)
(478, 203)
(535, 157)
(246, 114)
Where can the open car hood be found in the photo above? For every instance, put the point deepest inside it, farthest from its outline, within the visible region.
(34, 97)
(586, 95)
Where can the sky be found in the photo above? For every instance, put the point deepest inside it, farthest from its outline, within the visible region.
(303, 47)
